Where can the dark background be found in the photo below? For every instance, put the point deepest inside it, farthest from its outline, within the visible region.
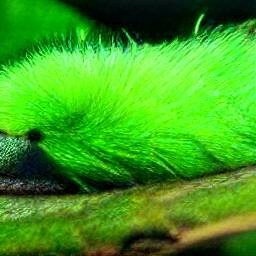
(162, 19)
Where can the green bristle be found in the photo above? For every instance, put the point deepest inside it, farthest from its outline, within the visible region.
(115, 117)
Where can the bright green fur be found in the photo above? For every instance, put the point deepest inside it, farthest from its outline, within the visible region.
(115, 117)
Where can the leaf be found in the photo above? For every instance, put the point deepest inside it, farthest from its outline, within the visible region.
(162, 219)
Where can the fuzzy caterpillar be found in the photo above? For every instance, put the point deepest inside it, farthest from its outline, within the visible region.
(114, 117)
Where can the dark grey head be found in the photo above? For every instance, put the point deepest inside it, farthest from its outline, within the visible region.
(25, 169)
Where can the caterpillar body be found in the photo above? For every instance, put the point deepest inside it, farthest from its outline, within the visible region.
(118, 117)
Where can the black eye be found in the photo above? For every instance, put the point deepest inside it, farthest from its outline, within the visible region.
(34, 135)
(3, 133)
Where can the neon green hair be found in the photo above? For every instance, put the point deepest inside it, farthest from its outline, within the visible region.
(117, 117)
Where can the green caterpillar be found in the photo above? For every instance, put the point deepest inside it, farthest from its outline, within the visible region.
(114, 117)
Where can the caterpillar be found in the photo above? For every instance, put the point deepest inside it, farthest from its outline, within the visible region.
(115, 117)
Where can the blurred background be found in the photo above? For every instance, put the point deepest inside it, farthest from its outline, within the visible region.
(26, 23)
(163, 19)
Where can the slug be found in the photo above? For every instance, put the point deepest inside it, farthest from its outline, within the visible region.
(111, 117)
